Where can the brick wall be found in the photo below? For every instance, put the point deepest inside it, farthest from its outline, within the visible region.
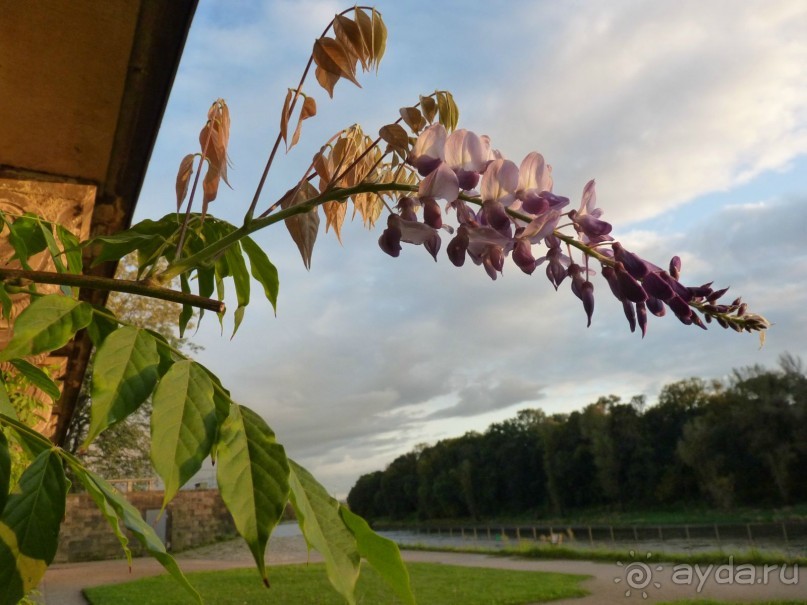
(193, 518)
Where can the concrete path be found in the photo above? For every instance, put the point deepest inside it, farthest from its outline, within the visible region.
(63, 583)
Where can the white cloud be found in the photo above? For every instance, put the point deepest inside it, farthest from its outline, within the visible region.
(662, 101)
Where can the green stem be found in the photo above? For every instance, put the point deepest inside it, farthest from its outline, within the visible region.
(335, 194)
(117, 285)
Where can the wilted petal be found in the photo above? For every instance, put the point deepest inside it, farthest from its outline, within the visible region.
(441, 184)
(406, 208)
(464, 213)
(499, 182)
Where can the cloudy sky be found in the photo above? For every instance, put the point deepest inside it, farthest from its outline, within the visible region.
(691, 115)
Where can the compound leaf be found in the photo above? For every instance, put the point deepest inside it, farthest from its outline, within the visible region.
(253, 476)
(124, 375)
(29, 526)
(46, 324)
(381, 553)
(183, 424)
(325, 531)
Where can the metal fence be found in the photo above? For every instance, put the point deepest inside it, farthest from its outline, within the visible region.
(789, 537)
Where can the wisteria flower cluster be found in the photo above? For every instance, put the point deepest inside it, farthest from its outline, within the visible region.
(514, 211)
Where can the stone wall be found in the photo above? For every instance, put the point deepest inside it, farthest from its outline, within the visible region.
(193, 518)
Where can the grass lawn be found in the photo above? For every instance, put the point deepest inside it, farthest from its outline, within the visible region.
(307, 585)
(713, 602)
(530, 550)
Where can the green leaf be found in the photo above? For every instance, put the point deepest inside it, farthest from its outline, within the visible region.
(26, 238)
(5, 470)
(144, 533)
(262, 270)
(238, 266)
(101, 325)
(448, 113)
(31, 441)
(381, 553)
(187, 311)
(324, 530)
(6, 406)
(71, 247)
(253, 477)
(53, 248)
(29, 526)
(147, 237)
(125, 372)
(89, 481)
(46, 324)
(183, 424)
(38, 378)
(5, 301)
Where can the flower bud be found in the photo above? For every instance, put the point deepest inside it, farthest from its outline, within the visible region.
(656, 287)
(432, 215)
(610, 276)
(675, 267)
(390, 240)
(457, 247)
(656, 307)
(523, 257)
(630, 288)
(716, 294)
(627, 306)
(587, 291)
(641, 316)
(632, 263)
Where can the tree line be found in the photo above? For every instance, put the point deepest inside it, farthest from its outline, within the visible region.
(738, 442)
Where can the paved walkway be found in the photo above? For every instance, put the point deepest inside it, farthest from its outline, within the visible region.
(63, 583)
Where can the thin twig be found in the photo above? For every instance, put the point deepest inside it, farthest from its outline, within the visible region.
(114, 285)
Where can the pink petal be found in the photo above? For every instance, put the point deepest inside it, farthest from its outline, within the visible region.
(431, 143)
(534, 173)
(441, 184)
(500, 182)
(589, 199)
(464, 151)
